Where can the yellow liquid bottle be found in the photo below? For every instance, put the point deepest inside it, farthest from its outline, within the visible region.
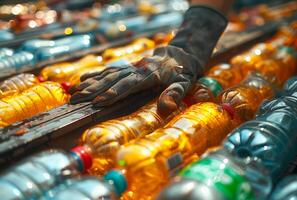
(102, 141)
(35, 100)
(17, 84)
(61, 72)
(246, 97)
(138, 46)
(147, 163)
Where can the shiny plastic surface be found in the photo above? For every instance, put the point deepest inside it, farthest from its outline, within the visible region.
(35, 100)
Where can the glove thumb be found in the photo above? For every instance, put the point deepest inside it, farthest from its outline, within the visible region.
(170, 99)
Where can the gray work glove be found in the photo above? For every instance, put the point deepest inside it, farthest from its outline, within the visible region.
(175, 67)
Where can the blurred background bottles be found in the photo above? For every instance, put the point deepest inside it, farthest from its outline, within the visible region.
(219, 175)
(62, 72)
(4, 52)
(35, 100)
(137, 46)
(19, 60)
(149, 162)
(34, 176)
(102, 141)
(17, 84)
(286, 189)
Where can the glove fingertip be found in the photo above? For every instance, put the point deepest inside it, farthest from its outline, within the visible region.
(166, 105)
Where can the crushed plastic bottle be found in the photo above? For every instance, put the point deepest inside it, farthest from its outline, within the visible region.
(286, 189)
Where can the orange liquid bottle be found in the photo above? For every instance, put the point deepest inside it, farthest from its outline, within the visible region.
(147, 163)
(35, 100)
(17, 84)
(246, 97)
(138, 46)
(61, 72)
(102, 141)
(225, 74)
(245, 62)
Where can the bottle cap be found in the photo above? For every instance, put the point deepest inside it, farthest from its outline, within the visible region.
(83, 157)
(288, 50)
(214, 86)
(66, 86)
(41, 79)
(229, 109)
(118, 180)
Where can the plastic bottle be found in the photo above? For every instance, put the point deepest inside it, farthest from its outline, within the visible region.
(103, 140)
(220, 175)
(246, 97)
(245, 62)
(148, 163)
(4, 52)
(286, 189)
(34, 176)
(35, 100)
(75, 43)
(90, 188)
(17, 84)
(17, 62)
(225, 74)
(63, 71)
(270, 137)
(137, 46)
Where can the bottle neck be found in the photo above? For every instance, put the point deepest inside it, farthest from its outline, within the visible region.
(83, 157)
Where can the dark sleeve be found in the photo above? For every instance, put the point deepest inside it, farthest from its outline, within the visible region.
(200, 31)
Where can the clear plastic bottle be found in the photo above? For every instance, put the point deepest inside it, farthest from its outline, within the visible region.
(137, 46)
(246, 97)
(270, 137)
(148, 162)
(90, 188)
(35, 100)
(103, 140)
(34, 176)
(4, 52)
(220, 175)
(62, 72)
(75, 43)
(17, 84)
(286, 189)
(18, 61)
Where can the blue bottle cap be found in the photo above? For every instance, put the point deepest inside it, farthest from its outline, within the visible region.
(118, 180)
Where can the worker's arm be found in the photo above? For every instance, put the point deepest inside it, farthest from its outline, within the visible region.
(175, 68)
(220, 5)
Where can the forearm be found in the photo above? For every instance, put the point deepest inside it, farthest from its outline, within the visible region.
(220, 5)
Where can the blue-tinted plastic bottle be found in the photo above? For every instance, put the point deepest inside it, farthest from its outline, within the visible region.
(90, 188)
(17, 62)
(34, 176)
(4, 52)
(286, 189)
(271, 137)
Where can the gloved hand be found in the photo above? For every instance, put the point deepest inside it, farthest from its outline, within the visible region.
(169, 67)
(174, 68)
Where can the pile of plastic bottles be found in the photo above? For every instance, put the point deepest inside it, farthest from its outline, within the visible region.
(233, 137)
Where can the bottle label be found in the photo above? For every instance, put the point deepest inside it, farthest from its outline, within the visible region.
(174, 164)
(221, 176)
